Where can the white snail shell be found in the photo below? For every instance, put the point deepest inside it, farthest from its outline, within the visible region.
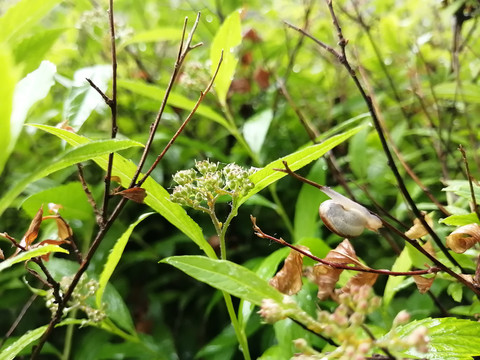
(345, 217)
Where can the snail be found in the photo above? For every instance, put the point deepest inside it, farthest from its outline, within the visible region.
(345, 217)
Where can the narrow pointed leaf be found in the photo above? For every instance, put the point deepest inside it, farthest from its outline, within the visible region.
(114, 258)
(226, 276)
(157, 197)
(26, 255)
(76, 155)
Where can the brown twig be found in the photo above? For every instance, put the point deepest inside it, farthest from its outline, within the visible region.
(182, 127)
(342, 58)
(412, 242)
(182, 53)
(86, 190)
(262, 235)
(470, 182)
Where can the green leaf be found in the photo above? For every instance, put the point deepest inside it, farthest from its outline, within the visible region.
(176, 100)
(306, 209)
(460, 220)
(154, 35)
(402, 263)
(27, 255)
(114, 258)
(31, 89)
(462, 188)
(467, 92)
(226, 39)
(76, 155)
(455, 290)
(255, 129)
(10, 75)
(71, 196)
(20, 17)
(226, 276)
(296, 160)
(29, 337)
(83, 99)
(32, 49)
(450, 338)
(158, 198)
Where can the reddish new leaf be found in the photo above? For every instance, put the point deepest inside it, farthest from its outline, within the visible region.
(136, 194)
(289, 279)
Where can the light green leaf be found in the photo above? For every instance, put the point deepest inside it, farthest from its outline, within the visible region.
(10, 75)
(32, 88)
(306, 209)
(26, 255)
(226, 276)
(71, 196)
(226, 39)
(32, 49)
(467, 92)
(296, 160)
(154, 35)
(176, 100)
(460, 220)
(21, 16)
(83, 99)
(114, 258)
(455, 290)
(462, 188)
(157, 197)
(402, 263)
(255, 129)
(29, 337)
(76, 155)
(450, 338)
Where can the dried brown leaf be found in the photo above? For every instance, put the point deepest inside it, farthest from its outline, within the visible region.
(423, 283)
(262, 78)
(326, 278)
(136, 194)
(2, 257)
(361, 279)
(418, 230)
(33, 229)
(344, 253)
(64, 230)
(428, 246)
(289, 279)
(464, 238)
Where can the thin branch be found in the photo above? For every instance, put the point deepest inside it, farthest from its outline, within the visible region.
(342, 58)
(86, 190)
(182, 127)
(19, 318)
(182, 53)
(412, 242)
(335, 265)
(470, 182)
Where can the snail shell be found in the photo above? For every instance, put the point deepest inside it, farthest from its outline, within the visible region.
(345, 217)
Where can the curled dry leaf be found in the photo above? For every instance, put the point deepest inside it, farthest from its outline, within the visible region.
(423, 283)
(64, 230)
(33, 229)
(136, 194)
(289, 279)
(326, 276)
(418, 230)
(464, 238)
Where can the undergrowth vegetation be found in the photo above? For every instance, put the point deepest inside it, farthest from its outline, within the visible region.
(239, 179)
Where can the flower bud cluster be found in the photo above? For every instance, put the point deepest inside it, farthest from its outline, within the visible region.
(80, 298)
(208, 181)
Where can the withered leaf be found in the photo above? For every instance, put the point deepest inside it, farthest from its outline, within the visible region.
(464, 238)
(418, 230)
(136, 194)
(326, 276)
(2, 257)
(262, 78)
(64, 230)
(33, 229)
(361, 279)
(423, 283)
(289, 279)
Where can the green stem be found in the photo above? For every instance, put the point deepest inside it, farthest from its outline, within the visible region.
(221, 230)
(67, 347)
